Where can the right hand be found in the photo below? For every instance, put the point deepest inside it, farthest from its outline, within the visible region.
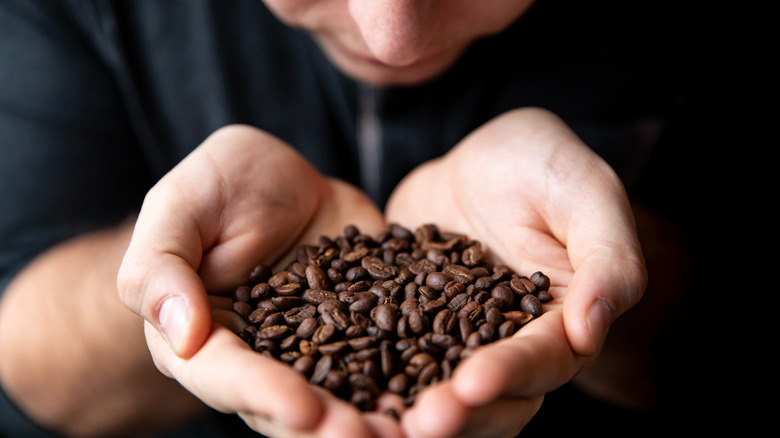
(241, 198)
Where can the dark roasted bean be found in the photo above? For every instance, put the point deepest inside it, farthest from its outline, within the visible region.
(295, 316)
(321, 369)
(273, 332)
(541, 281)
(531, 304)
(398, 384)
(306, 328)
(242, 308)
(385, 317)
(304, 365)
(316, 277)
(359, 315)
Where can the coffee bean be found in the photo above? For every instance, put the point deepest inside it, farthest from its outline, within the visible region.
(316, 277)
(359, 315)
(324, 334)
(321, 369)
(295, 316)
(531, 304)
(273, 332)
(398, 384)
(260, 290)
(304, 365)
(385, 317)
(541, 281)
(242, 308)
(307, 328)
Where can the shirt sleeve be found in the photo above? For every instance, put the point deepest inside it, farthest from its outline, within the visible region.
(69, 162)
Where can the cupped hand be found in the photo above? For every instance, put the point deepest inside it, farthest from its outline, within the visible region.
(242, 198)
(540, 200)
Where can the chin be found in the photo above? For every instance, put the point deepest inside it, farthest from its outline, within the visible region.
(378, 74)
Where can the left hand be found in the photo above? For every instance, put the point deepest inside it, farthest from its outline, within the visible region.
(540, 200)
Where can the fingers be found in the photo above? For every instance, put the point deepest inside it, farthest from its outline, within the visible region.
(228, 376)
(536, 360)
(438, 412)
(208, 222)
(609, 269)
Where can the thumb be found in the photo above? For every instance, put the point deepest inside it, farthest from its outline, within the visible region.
(161, 286)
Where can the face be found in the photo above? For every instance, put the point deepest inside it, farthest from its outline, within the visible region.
(397, 42)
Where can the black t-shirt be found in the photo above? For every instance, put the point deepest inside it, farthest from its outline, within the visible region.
(98, 99)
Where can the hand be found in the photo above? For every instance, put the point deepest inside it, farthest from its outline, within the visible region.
(240, 199)
(540, 200)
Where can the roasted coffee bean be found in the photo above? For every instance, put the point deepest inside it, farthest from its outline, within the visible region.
(260, 274)
(333, 312)
(242, 294)
(506, 329)
(531, 304)
(359, 315)
(486, 332)
(335, 380)
(457, 302)
(466, 327)
(316, 277)
(284, 303)
(519, 317)
(333, 348)
(289, 343)
(398, 384)
(275, 318)
(363, 305)
(385, 317)
(544, 296)
(505, 293)
(273, 332)
(279, 279)
(307, 328)
(308, 347)
(378, 269)
(318, 296)
(262, 344)
(321, 369)
(428, 374)
(459, 273)
(356, 273)
(295, 316)
(289, 356)
(437, 280)
(242, 308)
(445, 321)
(541, 281)
(418, 323)
(260, 290)
(304, 365)
(324, 334)
(453, 288)
(472, 255)
(494, 316)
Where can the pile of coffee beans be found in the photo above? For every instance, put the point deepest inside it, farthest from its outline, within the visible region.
(360, 315)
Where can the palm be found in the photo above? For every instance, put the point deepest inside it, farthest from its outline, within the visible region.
(539, 200)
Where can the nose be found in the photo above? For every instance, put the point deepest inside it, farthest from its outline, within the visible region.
(395, 31)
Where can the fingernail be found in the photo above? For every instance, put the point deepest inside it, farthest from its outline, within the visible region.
(599, 319)
(173, 321)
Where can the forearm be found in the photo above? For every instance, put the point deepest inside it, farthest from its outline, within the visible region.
(72, 355)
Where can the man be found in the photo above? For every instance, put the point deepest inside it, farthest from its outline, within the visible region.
(393, 97)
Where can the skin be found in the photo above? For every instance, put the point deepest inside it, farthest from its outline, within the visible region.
(549, 204)
(397, 42)
(207, 222)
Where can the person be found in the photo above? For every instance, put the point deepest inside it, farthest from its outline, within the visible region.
(154, 152)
